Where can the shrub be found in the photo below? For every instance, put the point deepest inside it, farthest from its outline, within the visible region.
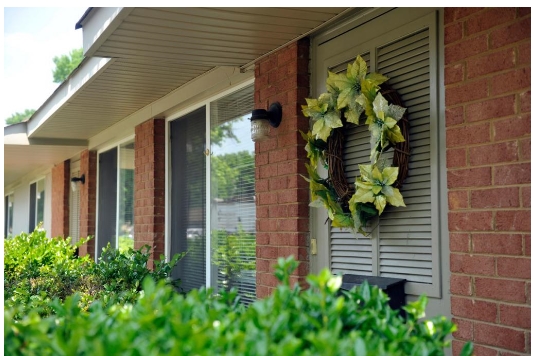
(38, 269)
(317, 321)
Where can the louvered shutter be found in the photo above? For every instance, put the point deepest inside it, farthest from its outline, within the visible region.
(405, 234)
(404, 241)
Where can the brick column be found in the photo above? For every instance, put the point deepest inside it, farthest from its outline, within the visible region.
(88, 201)
(149, 206)
(487, 97)
(60, 199)
(282, 215)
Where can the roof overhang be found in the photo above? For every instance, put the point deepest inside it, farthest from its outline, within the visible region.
(135, 56)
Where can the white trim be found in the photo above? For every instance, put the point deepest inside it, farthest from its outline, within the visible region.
(116, 143)
(207, 223)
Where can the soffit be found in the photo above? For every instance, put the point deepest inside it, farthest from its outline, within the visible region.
(157, 50)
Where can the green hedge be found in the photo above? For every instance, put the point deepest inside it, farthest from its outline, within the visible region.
(316, 321)
(38, 269)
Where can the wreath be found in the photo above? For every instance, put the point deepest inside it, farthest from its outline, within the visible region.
(349, 96)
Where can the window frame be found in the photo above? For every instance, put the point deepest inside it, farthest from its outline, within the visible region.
(115, 145)
(33, 224)
(8, 198)
(205, 102)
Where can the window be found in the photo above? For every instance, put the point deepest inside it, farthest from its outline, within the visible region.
(115, 198)
(74, 206)
(405, 241)
(8, 215)
(213, 212)
(37, 203)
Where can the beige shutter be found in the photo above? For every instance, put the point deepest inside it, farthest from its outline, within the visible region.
(405, 236)
(404, 241)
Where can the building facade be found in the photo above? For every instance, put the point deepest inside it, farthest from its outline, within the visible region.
(155, 120)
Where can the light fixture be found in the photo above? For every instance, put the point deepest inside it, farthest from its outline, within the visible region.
(75, 180)
(262, 119)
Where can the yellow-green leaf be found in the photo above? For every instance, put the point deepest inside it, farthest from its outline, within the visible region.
(396, 198)
(364, 196)
(389, 175)
(380, 203)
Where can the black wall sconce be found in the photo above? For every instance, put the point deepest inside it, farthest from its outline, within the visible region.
(262, 120)
(75, 180)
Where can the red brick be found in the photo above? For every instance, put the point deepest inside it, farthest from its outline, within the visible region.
(515, 32)
(500, 289)
(472, 177)
(487, 19)
(465, 49)
(471, 221)
(518, 220)
(491, 63)
(524, 149)
(512, 128)
(466, 92)
(465, 329)
(262, 185)
(513, 315)
(472, 264)
(267, 252)
(454, 73)
(524, 102)
(494, 153)
(454, 116)
(461, 12)
(484, 351)
(468, 135)
(267, 198)
(510, 81)
(523, 53)
(498, 336)
(458, 199)
(527, 245)
(499, 244)
(278, 183)
(512, 174)
(490, 109)
(461, 285)
(513, 267)
(453, 33)
(523, 11)
(474, 309)
(268, 171)
(459, 242)
(525, 197)
(495, 198)
(456, 158)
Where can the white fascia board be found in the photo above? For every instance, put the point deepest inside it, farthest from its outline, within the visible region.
(82, 76)
(99, 25)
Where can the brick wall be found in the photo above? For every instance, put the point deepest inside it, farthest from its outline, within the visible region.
(88, 201)
(282, 215)
(149, 183)
(60, 199)
(487, 95)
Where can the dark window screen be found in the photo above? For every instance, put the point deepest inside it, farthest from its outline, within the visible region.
(107, 200)
(33, 195)
(188, 197)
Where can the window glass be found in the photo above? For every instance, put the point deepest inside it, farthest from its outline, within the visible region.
(126, 196)
(233, 206)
